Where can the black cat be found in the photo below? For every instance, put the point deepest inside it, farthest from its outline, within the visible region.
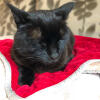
(43, 42)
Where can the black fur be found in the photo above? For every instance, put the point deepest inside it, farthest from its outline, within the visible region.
(43, 42)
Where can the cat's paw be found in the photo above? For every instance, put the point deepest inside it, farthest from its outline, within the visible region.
(24, 81)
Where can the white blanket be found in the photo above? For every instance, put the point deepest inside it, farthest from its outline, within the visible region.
(84, 84)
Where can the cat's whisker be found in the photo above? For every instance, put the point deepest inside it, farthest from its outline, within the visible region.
(16, 48)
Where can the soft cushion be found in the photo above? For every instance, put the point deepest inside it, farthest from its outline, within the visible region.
(85, 49)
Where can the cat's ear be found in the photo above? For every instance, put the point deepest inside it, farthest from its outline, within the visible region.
(64, 10)
(20, 16)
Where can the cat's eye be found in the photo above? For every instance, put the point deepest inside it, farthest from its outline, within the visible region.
(62, 31)
(36, 33)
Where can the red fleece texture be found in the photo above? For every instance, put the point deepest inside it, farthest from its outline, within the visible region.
(85, 48)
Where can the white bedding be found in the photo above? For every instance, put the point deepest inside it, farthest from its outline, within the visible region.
(84, 84)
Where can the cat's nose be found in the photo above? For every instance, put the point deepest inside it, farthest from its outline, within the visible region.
(54, 55)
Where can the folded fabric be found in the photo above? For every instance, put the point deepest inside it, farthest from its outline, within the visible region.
(85, 49)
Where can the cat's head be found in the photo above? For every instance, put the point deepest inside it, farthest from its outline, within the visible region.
(39, 33)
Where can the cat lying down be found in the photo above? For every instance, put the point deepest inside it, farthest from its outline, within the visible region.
(79, 86)
(42, 41)
(50, 50)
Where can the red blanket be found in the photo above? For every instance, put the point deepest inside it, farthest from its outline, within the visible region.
(85, 49)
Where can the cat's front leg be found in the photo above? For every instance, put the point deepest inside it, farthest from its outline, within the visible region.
(26, 76)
